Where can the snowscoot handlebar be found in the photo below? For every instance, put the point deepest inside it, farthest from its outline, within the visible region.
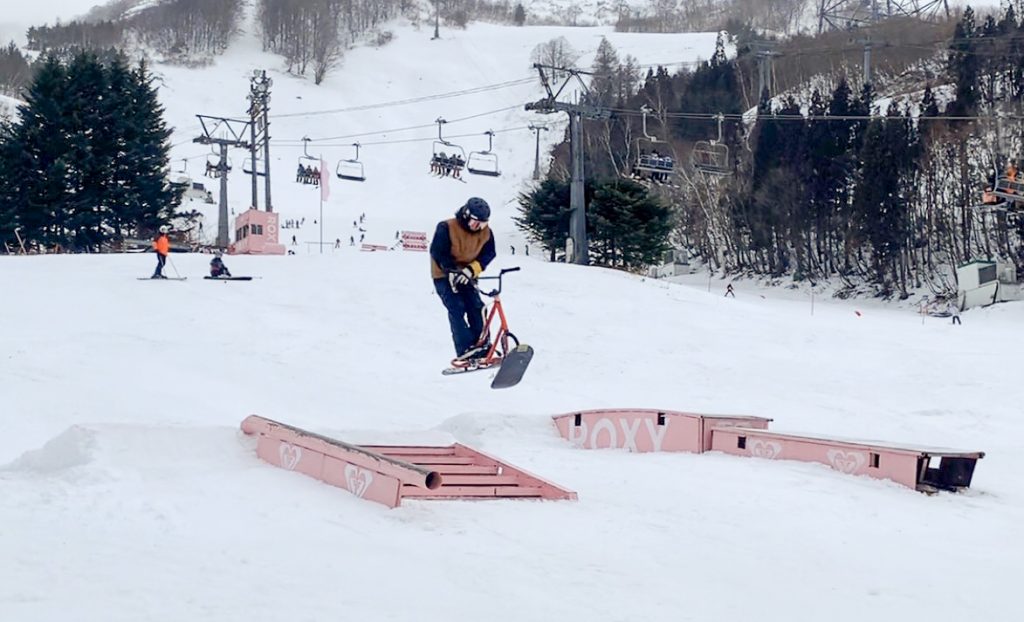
(495, 292)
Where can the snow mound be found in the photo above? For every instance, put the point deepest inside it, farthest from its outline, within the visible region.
(72, 448)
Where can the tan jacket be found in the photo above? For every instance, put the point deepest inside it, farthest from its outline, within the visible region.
(467, 248)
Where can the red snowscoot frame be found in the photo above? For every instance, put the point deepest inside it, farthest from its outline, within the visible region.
(505, 350)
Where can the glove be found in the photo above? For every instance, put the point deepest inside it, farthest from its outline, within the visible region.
(462, 278)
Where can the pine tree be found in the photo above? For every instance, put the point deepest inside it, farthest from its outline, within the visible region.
(604, 88)
(150, 201)
(11, 159)
(888, 157)
(41, 174)
(88, 159)
(544, 215)
(519, 15)
(713, 87)
(628, 228)
(963, 66)
(91, 145)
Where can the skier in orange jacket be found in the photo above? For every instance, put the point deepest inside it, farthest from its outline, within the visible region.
(162, 246)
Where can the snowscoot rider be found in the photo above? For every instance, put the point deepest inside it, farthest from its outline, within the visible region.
(162, 246)
(461, 249)
(217, 267)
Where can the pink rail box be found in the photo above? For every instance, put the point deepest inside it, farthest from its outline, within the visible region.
(644, 430)
(387, 474)
(927, 469)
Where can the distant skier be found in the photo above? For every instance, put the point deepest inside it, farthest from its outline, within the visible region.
(217, 267)
(729, 291)
(954, 312)
(162, 246)
(461, 249)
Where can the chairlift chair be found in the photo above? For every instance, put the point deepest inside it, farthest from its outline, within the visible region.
(259, 166)
(446, 155)
(307, 161)
(351, 169)
(712, 156)
(180, 177)
(484, 162)
(213, 163)
(1009, 188)
(650, 163)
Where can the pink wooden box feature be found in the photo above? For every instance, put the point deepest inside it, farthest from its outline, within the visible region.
(468, 473)
(365, 474)
(387, 473)
(643, 430)
(927, 469)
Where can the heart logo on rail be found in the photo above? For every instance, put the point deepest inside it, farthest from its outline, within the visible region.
(289, 454)
(358, 480)
(765, 449)
(846, 461)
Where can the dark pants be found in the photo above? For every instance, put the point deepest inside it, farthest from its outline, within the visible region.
(160, 261)
(463, 304)
(956, 319)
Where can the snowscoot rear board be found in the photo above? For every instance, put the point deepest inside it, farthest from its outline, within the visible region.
(513, 367)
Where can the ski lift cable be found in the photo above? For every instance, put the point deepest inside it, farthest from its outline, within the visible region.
(396, 130)
(412, 100)
(415, 140)
(739, 116)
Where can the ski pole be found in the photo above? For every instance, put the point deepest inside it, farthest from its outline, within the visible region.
(173, 267)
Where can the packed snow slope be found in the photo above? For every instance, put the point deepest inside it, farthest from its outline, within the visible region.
(127, 491)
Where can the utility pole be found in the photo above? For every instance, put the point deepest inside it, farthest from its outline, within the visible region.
(259, 115)
(253, 145)
(536, 151)
(225, 133)
(577, 247)
(867, 60)
(765, 67)
(437, 21)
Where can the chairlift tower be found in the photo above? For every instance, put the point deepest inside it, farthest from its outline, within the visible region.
(850, 14)
(536, 152)
(578, 253)
(259, 115)
(225, 133)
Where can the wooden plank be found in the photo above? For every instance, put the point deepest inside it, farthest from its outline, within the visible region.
(401, 450)
(549, 489)
(467, 469)
(479, 480)
(424, 461)
(472, 492)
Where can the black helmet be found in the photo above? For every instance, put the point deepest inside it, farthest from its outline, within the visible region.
(477, 209)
